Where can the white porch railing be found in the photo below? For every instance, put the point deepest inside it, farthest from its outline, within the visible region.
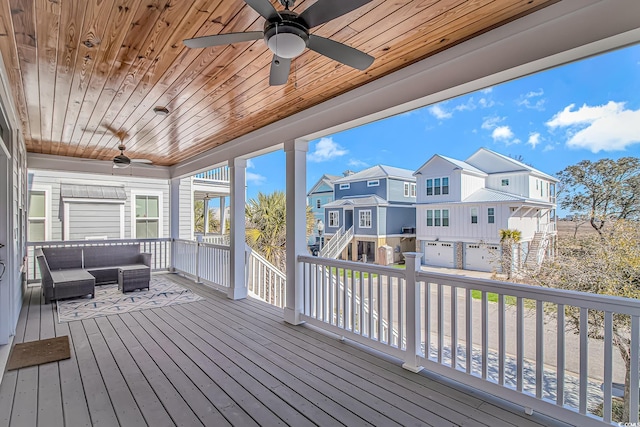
(518, 347)
(160, 250)
(204, 262)
(217, 239)
(220, 174)
(264, 280)
(337, 243)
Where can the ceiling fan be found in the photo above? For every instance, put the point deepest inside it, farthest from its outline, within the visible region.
(121, 160)
(287, 35)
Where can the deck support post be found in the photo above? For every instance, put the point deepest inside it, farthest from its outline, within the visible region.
(296, 184)
(205, 211)
(223, 215)
(238, 283)
(174, 218)
(413, 308)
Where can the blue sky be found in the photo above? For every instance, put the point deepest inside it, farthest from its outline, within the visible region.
(584, 110)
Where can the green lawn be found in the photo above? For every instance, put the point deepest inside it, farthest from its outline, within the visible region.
(492, 297)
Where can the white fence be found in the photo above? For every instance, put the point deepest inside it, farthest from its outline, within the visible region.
(204, 262)
(507, 339)
(219, 174)
(264, 280)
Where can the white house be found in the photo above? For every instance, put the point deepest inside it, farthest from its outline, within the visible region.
(462, 205)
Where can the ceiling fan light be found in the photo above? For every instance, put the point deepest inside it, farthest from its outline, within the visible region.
(161, 111)
(286, 45)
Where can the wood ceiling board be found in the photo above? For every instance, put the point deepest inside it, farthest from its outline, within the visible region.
(136, 60)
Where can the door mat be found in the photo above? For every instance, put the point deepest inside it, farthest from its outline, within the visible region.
(38, 352)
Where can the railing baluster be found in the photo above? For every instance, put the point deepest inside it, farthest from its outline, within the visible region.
(454, 326)
(389, 312)
(345, 304)
(501, 340)
(560, 356)
(379, 306)
(361, 316)
(370, 306)
(468, 301)
(427, 320)
(634, 380)
(608, 366)
(520, 343)
(584, 359)
(485, 335)
(401, 309)
(539, 348)
(440, 321)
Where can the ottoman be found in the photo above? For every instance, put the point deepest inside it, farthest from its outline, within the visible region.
(132, 277)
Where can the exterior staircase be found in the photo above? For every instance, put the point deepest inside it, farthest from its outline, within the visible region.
(537, 250)
(336, 245)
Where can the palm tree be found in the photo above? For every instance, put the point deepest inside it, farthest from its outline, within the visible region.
(508, 238)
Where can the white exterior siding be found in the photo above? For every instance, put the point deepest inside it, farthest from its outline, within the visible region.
(469, 184)
(186, 209)
(518, 183)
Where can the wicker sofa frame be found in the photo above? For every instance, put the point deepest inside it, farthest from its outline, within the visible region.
(69, 272)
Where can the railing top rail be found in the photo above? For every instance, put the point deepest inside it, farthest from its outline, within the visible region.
(559, 296)
(353, 265)
(267, 264)
(94, 242)
(215, 245)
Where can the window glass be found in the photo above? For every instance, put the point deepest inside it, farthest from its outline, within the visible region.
(491, 218)
(345, 186)
(407, 190)
(445, 185)
(505, 182)
(318, 204)
(37, 204)
(365, 219)
(436, 186)
(429, 187)
(474, 215)
(445, 217)
(334, 219)
(436, 218)
(36, 232)
(373, 183)
(429, 218)
(413, 190)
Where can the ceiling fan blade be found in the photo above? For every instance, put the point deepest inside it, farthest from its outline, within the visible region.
(264, 8)
(279, 71)
(223, 39)
(340, 52)
(325, 10)
(141, 161)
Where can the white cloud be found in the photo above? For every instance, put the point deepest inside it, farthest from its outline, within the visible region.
(532, 100)
(256, 178)
(326, 149)
(486, 103)
(250, 164)
(534, 139)
(490, 123)
(487, 90)
(502, 133)
(548, 147)
(608, 127)
(439, 113)
(356, 163)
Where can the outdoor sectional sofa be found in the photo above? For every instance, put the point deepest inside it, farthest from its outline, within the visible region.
(69, 272)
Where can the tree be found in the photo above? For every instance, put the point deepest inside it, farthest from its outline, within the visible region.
(604, 190)
(198, 219)
(266, 226)
(609, 265)
(508, 238)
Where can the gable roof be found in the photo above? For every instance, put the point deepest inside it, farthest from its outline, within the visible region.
(325, 179)
(485, 160)
(371, 200)
(378, 172)
(457, 163)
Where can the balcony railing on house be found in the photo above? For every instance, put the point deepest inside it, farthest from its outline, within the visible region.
(264, 280)
(220, 174)
(203, 262)
(518, 346)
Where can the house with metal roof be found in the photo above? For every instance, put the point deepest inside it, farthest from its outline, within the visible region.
(462, 206)
(320, 194)
(373, 208)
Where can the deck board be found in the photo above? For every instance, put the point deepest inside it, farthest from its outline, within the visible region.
(223, 362)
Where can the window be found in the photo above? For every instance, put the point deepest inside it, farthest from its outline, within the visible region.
(147, 217)
(334, 218)
(438, 218)
(437, 186)
(345, 186)
(365, 219)
(491, 215)
(505, 182)
(407, 189)
(373, 183)
(413, 189)
(474, 215)
(37, 216)
(318, 204)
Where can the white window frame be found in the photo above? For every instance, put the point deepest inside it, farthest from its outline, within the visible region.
(439, 217)
(504, 182)
(429, 211)
(437, 190)
(46, 189)
(147, 193)
(413, 190)
(362, 217)
(490, 216)
(345, 186)
(334, 219)
(474, 213)
(373, 183)
(407, 189)
(445, 217)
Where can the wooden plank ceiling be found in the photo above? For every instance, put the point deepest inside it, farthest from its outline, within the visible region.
(85, 72)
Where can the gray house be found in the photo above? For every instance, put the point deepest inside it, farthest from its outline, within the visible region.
(377, 205)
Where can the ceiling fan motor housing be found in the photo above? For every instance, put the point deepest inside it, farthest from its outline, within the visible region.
(286, 37)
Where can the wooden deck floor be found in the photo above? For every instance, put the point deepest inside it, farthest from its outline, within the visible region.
(220, 362)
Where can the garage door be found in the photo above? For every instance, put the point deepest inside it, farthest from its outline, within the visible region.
(482, 257)
(439, 254)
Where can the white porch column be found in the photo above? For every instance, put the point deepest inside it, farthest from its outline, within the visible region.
(223, 216)
(174, 216)
(238, 285)
(296, 152)
(205, 203)
(413, 308)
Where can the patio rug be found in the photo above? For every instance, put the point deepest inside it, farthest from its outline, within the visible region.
(38, 352)
(109, 300)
